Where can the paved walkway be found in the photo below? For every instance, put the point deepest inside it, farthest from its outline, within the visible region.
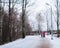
(34, 42)
(44, 43)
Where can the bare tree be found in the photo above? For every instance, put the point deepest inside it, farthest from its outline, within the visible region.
(24, 3)
(1, 19)
(5, 28)
(12, 19)
(39, 19)
(2, 14)
(57, 18)
(28, 28)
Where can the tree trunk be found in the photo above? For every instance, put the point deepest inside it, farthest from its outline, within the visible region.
(24, 3)
(10, 20)
(57, 20)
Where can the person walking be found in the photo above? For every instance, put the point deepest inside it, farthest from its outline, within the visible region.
(43, 34)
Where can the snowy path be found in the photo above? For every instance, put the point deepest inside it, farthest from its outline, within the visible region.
(34, 42)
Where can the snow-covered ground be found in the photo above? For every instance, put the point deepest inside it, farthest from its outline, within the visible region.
(34, 42)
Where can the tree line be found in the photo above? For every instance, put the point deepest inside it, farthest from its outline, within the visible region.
(10, 25)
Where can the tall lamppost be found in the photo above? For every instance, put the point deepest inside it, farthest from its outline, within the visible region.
(51, 20)
(47, 21)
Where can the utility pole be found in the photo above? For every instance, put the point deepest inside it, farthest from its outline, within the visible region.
(47, 20)
(51, 25)
(51, 21)
(39, 24)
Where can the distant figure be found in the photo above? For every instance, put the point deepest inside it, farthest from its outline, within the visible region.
(43, 34)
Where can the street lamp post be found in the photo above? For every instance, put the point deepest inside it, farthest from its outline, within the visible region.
(51, 21)
(47, 21)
